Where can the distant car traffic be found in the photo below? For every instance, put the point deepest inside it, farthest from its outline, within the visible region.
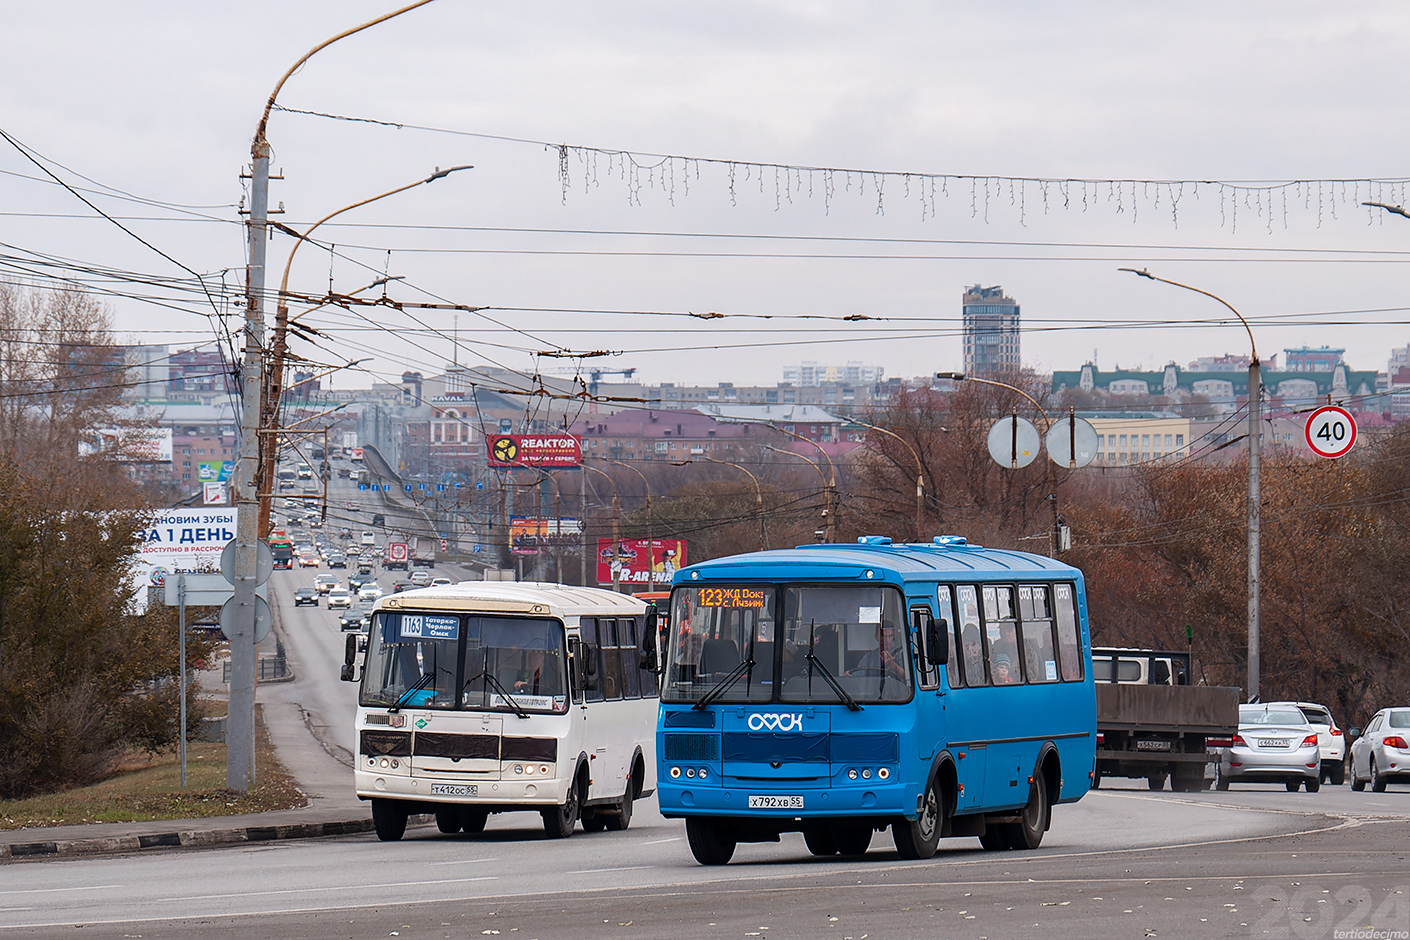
(420, 578)
(369, 592)
(399, 586)
(309, 560)
(1381, 754)
(369, 538)
(305, 595)
(1275, 744)
(438, 582)
(324, 583)
(337, 560)
(353, 620)
(339, 598)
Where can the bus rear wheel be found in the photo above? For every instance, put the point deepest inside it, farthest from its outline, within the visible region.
(918, 838)
(623, 819)
(448, 820)
(388, 819)
(1027, 833)
(710, 842)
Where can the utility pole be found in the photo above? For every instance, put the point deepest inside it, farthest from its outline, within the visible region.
(240, 714)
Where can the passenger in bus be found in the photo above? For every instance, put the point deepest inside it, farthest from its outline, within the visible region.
(973, 656)
(887, 657)
(530, 673)
(1003, 670)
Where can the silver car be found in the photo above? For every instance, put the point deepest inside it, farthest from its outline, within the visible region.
(1382, 753)
(1275, 744)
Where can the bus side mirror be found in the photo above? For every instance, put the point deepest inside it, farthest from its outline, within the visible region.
(937, 649)
(584, 664)
(348, 673)
(350, 650)
(649, 640)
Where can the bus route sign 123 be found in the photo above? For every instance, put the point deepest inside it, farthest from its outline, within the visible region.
(1330, 431)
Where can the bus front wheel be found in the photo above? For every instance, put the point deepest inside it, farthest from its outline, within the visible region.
(388, 819)
(710, 842)
(918, 838)
(559, 821)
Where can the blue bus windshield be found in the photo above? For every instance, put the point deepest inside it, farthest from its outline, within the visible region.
(807, 644)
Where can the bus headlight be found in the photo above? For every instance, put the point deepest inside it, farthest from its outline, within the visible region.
(703, 772)
(883, 773)
(543, 769)
(852, 774)
(690, 772)
(866, 773)
(675, 773)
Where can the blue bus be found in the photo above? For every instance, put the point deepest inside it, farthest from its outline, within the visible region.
(939, 689)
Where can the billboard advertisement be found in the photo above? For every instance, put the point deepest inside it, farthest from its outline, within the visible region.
(139, 445)
(215, 471)
(529, 536)
(631, 557)
(535, 450)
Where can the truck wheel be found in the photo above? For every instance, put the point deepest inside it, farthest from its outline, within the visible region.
(917, 838)
(1027, 833)
(1156, 781)
(1187, 778)
(710, 842)
(388, 819)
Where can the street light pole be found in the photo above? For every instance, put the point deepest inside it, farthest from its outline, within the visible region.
(920, 475)
(827, 521)
(1255, 407)
(615, 565)
(758, 493)
(240, 721)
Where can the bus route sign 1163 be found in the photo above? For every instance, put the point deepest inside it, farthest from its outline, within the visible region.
(1330, 431)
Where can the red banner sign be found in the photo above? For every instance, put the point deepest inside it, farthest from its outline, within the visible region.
(631, 558)
(535, 450)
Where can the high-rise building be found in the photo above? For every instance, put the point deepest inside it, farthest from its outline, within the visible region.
(991, 342)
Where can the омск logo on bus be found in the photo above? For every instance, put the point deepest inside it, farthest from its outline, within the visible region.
(773, 721)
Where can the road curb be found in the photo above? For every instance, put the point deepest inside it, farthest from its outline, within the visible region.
(189, 838)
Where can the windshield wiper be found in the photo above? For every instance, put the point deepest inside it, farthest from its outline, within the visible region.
(489, 677)
(719, 688)
(507, 697)
(416, 687)
(831, 680)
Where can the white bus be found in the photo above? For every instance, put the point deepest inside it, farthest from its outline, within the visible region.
(490, 697)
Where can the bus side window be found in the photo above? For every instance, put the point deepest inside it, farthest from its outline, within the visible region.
(971, 637)
(611, 658)
(631, 668)
(1001, 630)
(592, 659)
(947, 615)
(1069, 639)
(1040, 658)
(928, 676)
(646, 677)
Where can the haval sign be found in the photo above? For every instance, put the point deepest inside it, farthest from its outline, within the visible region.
(535, 450)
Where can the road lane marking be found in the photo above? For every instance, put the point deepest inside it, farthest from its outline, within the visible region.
(596, 871)
(384, 884)
(662, 841)
(57, 890)
(465, 861)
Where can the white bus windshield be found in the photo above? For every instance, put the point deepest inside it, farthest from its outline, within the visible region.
(453, 661)
(808, 644)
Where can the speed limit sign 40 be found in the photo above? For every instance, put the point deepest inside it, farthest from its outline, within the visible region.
(1330, 431)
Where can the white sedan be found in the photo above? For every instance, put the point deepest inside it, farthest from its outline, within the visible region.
(369, 592)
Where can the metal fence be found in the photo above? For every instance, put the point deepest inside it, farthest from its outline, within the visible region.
(269, 667)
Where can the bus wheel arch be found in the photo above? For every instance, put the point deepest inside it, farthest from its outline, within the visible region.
(635, 777)
(917, 839)
(1049, 768)
(559, 821)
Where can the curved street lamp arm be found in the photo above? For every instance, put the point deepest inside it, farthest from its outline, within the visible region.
(1253, 347)
(279, 85)
(961, 377)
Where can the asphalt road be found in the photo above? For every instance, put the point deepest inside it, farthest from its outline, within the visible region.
(1121, 863)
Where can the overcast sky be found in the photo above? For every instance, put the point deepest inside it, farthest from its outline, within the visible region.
(159, 101)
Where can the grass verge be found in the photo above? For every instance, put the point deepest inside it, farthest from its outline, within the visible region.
(146, 787)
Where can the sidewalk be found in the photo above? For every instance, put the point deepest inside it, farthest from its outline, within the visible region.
(332, 807)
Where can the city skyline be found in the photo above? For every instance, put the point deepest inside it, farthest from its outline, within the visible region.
(705, 225)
